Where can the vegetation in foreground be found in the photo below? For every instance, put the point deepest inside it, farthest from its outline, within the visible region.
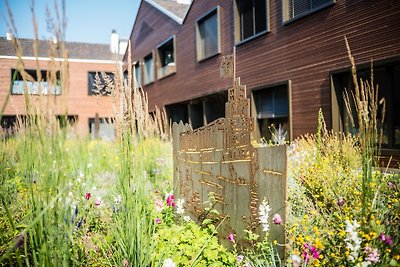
(73, 201)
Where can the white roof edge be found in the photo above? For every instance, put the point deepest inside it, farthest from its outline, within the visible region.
(166, 12)
(61, 59)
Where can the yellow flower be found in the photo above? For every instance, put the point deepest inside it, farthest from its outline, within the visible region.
(316, 231)
(342, 233)
(318, 244)
(373, 235)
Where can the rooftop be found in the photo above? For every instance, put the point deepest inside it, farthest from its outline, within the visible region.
(176, 9)
(75, 50)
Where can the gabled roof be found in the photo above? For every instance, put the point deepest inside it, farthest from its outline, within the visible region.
(172, 8)
(75, 50)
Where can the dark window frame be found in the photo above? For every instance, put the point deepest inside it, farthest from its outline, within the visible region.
(340, 116)
(200, 54)
(137, 66)
(146, 80)
(92, 87)
(258, 90)
(286, 19)
(102, 120)
(238, 18)
(162, 68)
(32, 72)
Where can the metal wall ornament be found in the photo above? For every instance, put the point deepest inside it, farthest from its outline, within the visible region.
(219, 161)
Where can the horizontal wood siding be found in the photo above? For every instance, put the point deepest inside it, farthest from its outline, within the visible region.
(304, 51)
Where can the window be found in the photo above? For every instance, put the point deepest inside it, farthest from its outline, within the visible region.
(103, 128)
(148, 69)
(250, 18)
(105, 83)
(207, 36)
(387, 77)
(33, 87)
(65, 120)
(272, 108)
(138, 74)
(166, 58)
(298, 8)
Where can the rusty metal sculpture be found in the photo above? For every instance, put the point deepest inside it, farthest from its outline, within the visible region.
(219, 161)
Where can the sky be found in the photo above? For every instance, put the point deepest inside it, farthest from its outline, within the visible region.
(89, 21)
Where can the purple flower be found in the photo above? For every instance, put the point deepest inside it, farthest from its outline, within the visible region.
(389, 240)
(98, 202)
(158, 220)
(239, 258)
(19, 239)
(340, 202)
(277, 219)
(231, 237)
(386, 238)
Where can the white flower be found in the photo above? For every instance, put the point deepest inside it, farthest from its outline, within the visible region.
(353, 241)
(179, 206)
(263, 212)
(296, 260)
(186, 218)
(168, 263)
(117, 200)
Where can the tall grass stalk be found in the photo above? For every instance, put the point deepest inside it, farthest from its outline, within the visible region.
(365, 99)
(47, 162)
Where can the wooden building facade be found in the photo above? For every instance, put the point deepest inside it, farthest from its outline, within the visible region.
(291, 54)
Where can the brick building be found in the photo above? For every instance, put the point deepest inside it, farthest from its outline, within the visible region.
(79, 102)
(291, 54)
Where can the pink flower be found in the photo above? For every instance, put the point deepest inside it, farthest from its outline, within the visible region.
(170, 200)
(314, 252)
(88, 196)
(372, 255)
(277, 219)
(231, 237)
(98, 202)
(159, 205)
(158, 221)
(309, 251)
(239, 258)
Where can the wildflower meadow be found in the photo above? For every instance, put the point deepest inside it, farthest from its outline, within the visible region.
(70, 200)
